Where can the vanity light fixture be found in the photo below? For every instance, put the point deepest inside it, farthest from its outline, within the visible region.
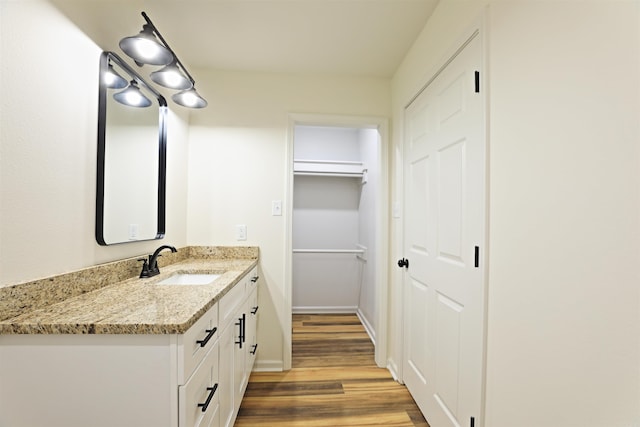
(113, 80)
(132, 96)
(189, 98)
(171, 77)
(136, 91)
(145, 48)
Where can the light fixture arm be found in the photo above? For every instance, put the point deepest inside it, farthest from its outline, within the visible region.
(164, 42)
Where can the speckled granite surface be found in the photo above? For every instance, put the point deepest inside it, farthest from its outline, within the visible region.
(111, 299)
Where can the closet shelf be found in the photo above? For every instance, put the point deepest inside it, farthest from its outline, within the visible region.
(328, 251)
(329, 168)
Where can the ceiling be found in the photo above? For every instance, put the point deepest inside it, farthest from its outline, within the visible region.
(345, 37)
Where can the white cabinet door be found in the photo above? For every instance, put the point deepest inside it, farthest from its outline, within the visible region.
(240, 376)
(225, 376)
(232, 367)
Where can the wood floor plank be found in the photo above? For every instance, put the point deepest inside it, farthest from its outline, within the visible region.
(334, 382)
(261, 390)
(324, 328)
(320, 374)
(390, 419)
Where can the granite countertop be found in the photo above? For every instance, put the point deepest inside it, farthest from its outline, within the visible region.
(135, 306)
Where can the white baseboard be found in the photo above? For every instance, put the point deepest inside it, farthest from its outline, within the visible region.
(325, 310)
(391, 366)
(367, 326)
(268, 366)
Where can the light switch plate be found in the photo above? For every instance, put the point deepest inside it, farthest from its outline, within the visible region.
(133, 231)
(241, 232)
(276, 208)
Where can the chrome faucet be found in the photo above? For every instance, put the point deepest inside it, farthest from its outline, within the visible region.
(150, 266)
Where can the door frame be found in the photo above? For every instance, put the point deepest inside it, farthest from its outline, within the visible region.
(477, 29)
(382, 237)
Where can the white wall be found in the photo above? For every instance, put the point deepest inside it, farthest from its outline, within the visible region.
(238, 165)
(369, 141)
(564, 232)
(565, 214)
(326, 143)
(48, 142)
(325, 216)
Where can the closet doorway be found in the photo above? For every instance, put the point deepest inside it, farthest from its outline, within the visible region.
(337, 243)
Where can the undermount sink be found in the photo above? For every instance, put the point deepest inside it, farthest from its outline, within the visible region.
(190, 279)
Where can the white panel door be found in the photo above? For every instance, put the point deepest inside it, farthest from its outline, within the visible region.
(444, 163)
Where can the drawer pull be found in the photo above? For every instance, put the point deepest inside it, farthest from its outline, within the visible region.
(244, 325)
(210, 333)
(254, 279)
(255, 348)
(254, 310)
(212, 391)
(241, 324)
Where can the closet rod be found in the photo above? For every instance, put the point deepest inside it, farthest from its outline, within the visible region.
(328, 251)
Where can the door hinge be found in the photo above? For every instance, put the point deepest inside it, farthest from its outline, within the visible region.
(477, 257)
(473, 422)
(477, 81)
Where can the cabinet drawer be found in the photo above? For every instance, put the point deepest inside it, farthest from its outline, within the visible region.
(194, 344)
(231, 301)
(198, 399)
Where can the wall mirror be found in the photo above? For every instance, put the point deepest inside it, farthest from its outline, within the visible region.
(131, 172)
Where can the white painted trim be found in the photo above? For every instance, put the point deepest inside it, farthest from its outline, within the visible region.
(483, 26)
(268, 366)
(367, 326)
(383, 238)
(393, 368)
(382, 225)
(173, 360)
(287, 310)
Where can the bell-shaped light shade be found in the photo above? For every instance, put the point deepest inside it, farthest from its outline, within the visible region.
(132, 96)
(144, 48)
(189, 98)
(113, 80)
(171, 77)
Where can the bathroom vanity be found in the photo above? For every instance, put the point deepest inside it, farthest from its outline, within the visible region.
(139, 352)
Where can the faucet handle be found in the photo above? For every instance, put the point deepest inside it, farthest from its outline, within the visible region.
(145, 267)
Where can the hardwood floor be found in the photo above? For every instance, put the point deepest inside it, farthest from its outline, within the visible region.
(334, 382)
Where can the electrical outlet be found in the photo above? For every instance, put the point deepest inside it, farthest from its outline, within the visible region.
(276, 208)
(241, 232)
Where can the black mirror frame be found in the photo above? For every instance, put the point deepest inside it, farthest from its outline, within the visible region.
(105, 57)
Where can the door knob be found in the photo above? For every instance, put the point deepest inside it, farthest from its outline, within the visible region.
(403, 263)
